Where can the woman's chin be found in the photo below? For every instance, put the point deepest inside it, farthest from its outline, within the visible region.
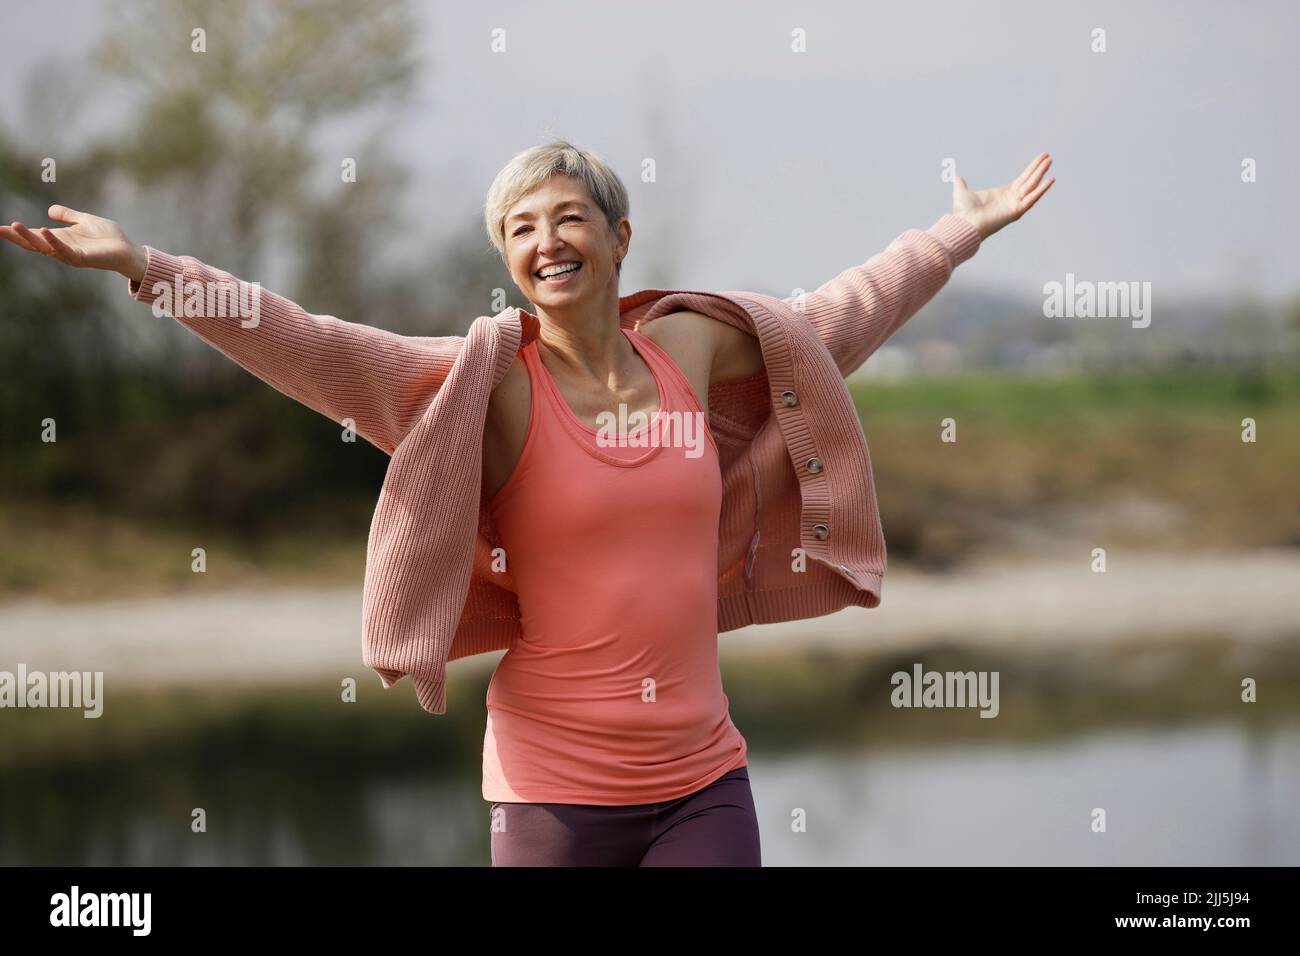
(560, 295)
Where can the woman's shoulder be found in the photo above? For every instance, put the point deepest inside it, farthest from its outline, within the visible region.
(696, 340)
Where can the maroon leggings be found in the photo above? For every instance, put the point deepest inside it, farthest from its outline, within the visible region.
(714, 826)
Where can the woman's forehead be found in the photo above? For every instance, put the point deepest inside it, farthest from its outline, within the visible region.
(556, 190)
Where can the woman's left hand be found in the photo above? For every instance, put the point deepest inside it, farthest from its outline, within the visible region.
(990, 209)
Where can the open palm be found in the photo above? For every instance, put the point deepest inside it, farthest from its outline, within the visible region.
(988, 210)
(88, 241)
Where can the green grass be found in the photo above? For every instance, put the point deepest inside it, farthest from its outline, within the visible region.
(1034, 403)
(1028, 448)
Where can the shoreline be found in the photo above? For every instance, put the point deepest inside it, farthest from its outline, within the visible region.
(256, 636)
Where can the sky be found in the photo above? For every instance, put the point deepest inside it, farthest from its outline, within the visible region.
(778, 169)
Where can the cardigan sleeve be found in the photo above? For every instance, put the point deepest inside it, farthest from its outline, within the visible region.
(379, 380)
(855, 312)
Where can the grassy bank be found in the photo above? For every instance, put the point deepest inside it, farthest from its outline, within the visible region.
(1142, 460)
(1152, 460)
(78, 553)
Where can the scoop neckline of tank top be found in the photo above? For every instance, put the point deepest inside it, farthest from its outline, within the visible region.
(554, 388)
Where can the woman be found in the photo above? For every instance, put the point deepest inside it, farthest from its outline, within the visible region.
(608, 739)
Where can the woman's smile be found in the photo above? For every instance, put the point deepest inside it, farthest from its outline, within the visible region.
(572, 269)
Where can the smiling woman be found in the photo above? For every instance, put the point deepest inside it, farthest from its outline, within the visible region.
(557, 216)
(622, 561)
(610, 697)
(580, 184)
(581, 515)
(557, 237)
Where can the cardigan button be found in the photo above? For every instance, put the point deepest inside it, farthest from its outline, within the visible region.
(814, 465)
(820, 531)
(789, 397)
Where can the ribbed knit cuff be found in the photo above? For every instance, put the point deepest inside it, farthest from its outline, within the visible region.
(431, 692)
(961, 238)
(159, 267)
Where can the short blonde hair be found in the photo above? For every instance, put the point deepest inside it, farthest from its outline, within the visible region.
(536, 165)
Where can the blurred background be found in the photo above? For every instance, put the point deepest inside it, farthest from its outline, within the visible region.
(750, 166)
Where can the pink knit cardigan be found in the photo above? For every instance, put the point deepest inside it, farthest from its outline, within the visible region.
(795, 468)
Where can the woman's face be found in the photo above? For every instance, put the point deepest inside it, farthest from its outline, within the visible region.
(559, 224)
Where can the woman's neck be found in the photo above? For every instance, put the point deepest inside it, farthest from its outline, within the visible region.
(586, 341)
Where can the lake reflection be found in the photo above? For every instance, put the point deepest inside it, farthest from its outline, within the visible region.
(1209, 795)
(1214, 794)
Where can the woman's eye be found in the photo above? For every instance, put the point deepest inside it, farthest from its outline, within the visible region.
(520, 230)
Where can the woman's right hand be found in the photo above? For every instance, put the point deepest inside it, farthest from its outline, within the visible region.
(90, 242)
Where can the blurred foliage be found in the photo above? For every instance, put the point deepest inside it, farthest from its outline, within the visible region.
(223, 157)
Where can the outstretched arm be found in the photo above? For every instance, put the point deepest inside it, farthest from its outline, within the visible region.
(380, 380)
(860, 308)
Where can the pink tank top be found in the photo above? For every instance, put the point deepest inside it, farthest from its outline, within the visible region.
(612, 693)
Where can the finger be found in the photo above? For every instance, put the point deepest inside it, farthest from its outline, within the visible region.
(1029, 170)
(64, 214)
(1032, 181)
(38, 244)
(1031, 175)
(1037, 194)
(61, 248)
(12, 235)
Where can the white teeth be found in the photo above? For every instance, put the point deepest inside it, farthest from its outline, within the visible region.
(551, 271)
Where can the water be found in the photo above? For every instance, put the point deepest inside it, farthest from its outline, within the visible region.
(1212, 794)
